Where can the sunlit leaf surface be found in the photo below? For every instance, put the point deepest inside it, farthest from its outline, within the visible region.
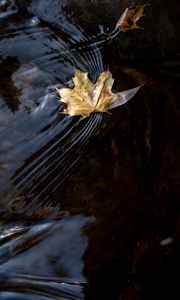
(87, 97)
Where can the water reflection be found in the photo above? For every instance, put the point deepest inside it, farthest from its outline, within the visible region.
(7, 8)
(39, 150)
(40, 147)
(43, 259)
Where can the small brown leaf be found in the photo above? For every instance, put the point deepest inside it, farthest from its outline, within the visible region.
(130, 17)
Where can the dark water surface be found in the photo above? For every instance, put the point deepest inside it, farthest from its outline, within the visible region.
(89, 207)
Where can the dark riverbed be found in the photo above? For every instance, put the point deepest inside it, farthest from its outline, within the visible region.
(89, 207)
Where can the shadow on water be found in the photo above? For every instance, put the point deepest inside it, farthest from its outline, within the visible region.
(9, 92)
(106, 230)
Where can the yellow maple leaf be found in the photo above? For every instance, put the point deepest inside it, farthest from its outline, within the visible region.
(87, 97)
(130, 17)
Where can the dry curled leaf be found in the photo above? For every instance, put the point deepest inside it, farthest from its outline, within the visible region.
(130, 17)
(87, 97)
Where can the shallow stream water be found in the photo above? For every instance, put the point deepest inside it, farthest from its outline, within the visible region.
(70, 226)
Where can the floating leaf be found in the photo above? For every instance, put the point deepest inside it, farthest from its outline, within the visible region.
(86, 97)
(130, 17)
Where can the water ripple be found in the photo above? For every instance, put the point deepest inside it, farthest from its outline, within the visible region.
(52, 269)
